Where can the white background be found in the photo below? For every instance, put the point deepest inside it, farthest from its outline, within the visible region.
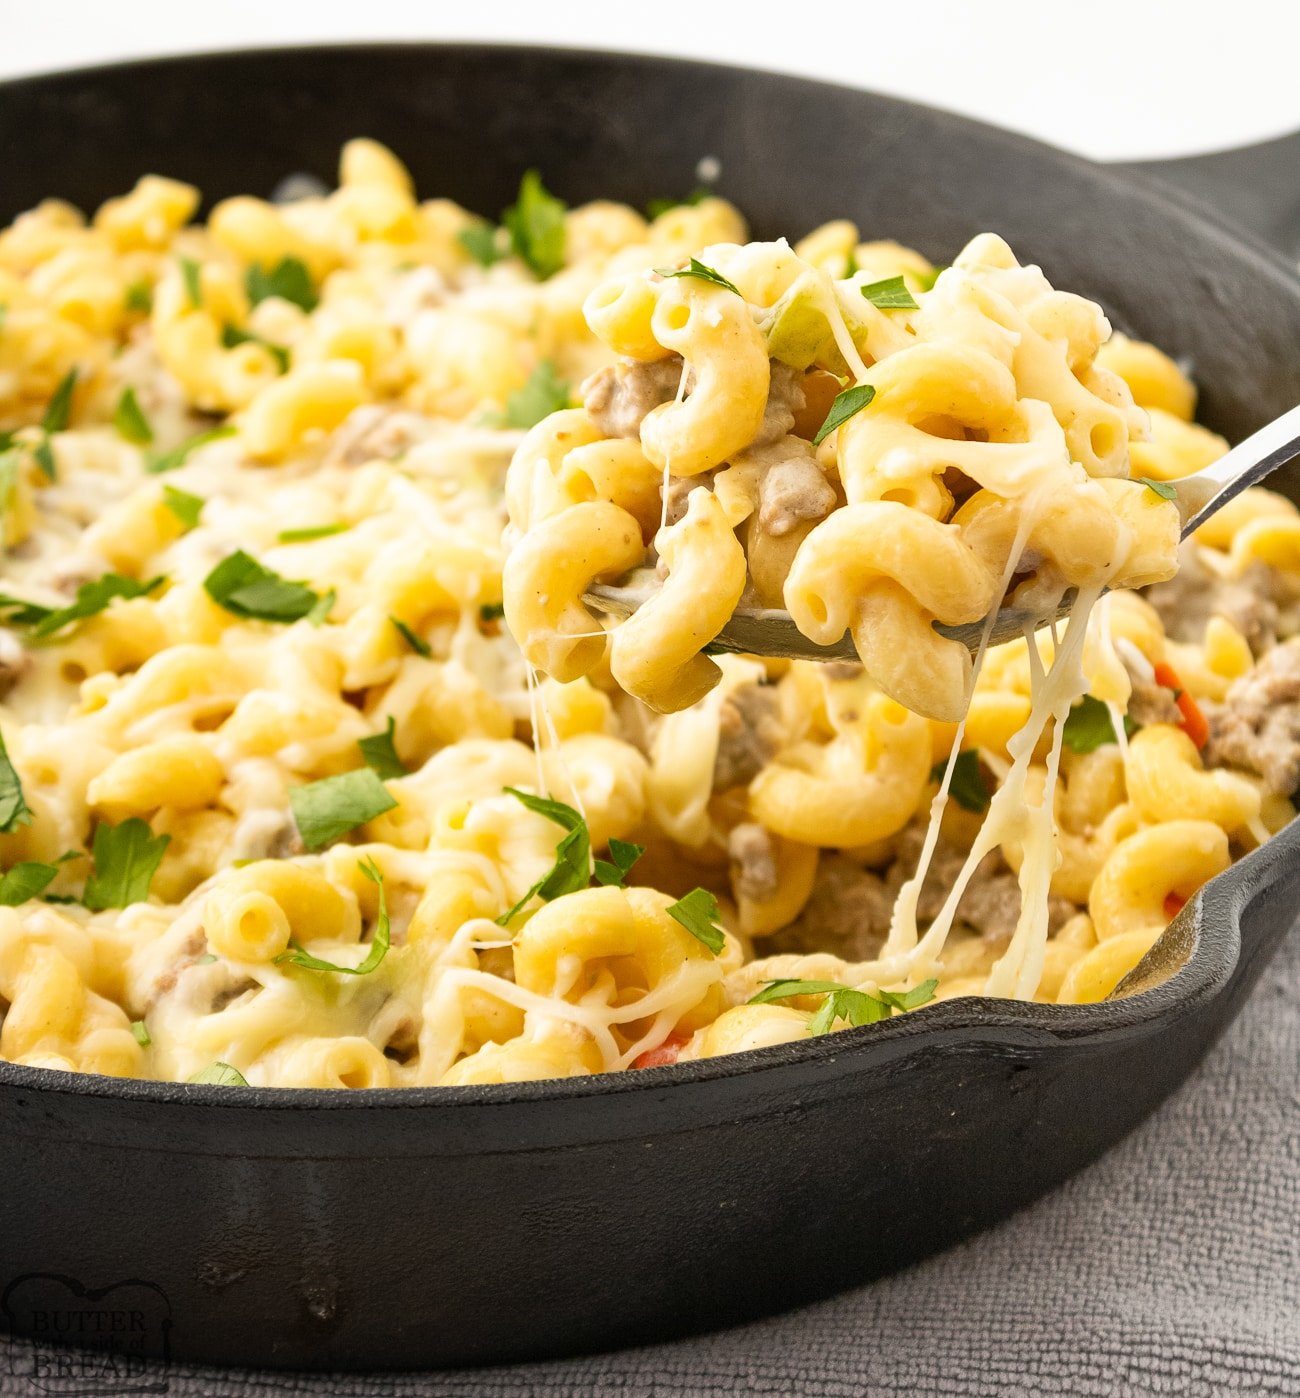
(1109, 78)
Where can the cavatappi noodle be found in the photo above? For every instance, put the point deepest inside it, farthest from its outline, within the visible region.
(283, 801)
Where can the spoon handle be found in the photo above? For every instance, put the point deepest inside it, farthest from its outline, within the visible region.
(1247, 464)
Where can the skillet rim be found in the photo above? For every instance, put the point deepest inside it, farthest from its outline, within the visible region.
(1212, 917)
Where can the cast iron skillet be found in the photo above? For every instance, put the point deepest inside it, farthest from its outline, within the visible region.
(427, 1228)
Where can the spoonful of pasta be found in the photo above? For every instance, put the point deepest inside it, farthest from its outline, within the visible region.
(773, 631)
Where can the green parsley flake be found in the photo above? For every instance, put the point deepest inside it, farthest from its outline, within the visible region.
(221, 1075)
(92, 598)
(241, 585)
(312, 531)
(855, 1007)
(126, 857)
(482, 243)
(186, 507)
(1089, 726)
(140, 1032)
(177, 457)
(968, 787)
(622, 856)
(535, 223)
(890, 295)
(14, 810)
(289, 279)
(58, 411)
(139, 298)
(1164, 489)
(698, 270)
(379, 943)
(698, 914)
(419, 646)
(380, 754)
(192, 275)
(656, 208)
(851, 401)
(327, 809)
(544, 393)
(130, 421)
(24, 881)
(572, 869)
(492, 611)
(232, 337)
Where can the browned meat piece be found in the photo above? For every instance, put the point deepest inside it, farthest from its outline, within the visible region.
(267, 834)
(1194, 594)
(14, 662)
(1257, 726)
(753, 862)
(847, 914)
(991, 902)
(793, 489)
(749, 733)
(618, 398)
(375, 433)
(679, 489)
(1150, 702)
(784, 399)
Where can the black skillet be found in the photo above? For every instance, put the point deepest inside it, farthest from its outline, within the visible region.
(436, 1227)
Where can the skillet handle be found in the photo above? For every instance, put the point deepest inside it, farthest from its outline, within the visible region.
(1256, 187)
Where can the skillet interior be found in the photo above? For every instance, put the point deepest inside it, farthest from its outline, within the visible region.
(419, 1228)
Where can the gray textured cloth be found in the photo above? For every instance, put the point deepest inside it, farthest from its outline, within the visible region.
(1172, 1266)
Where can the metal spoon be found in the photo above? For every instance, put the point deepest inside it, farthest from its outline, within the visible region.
(771, 631)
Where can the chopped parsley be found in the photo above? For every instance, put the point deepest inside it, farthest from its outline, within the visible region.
(14, 810)
(380, 754)
(891, 294)
(698, 914)
(58, 411)
(1089, 726)
(232, 336)
(1164, 489)
(139, 298)
(572, 869)
(856, 1007)
(379, 943)
(544, 393)
(92, 598)
(851, 401)
(482, 243)
(222, 1074)
(289, 279)
(319, 614)
(312, 531)
(24, 881)
(172, 460)
(140, 1032)
(622, 856)
(492, 611)
(658, 207)
(186, 507)
(241, 585)
(696, 268)
(419, 646)
(192, 275)
(130, 421)
(968, 787)
(535, 223)
(928, 279)
(326, 809)
(126, 857)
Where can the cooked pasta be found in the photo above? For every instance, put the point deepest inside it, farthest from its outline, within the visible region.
(318, 772)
